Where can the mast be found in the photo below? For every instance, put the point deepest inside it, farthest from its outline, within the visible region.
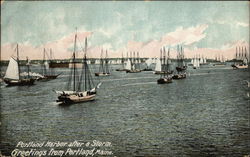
(106, 62)
(44, 66)
(138, 60)
(168, 62)
(28, 67)
(50, 58)
(74, 66)
(101, 69)
(17, 51)
(85, 65)
(164, 61)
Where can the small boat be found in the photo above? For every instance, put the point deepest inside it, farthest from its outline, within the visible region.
(12, 76)
(81, 87)
(181, 68)
(47, 73)
(104, 66)
(165, 77)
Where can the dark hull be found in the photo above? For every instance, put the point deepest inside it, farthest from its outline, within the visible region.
(22, 82)
(163, 72)
(102, 74)
(59, 65)
(147, 70)
(133, 71)
(179, 76)
(48, 77)
(179, 69)
(164, 80)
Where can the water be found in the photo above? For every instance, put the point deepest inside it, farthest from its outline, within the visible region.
(206, 114)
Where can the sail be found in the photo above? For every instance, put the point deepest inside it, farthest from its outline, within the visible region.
(158, 65)
(12, 71)
(149, 62)
(46, 64)
(128, 65)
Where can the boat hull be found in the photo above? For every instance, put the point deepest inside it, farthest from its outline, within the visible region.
(74, 98)
(163, 72)
(179, 76)
(164, 80)
(102, 74)
(22, 82)
(133, 71)
(48, 77)
(181, 68)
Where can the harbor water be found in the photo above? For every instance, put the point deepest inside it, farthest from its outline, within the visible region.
(206, 114)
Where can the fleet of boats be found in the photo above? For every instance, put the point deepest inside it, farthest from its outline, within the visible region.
(81, 86)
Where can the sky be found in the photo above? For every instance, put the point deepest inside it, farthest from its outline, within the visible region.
(208, 29)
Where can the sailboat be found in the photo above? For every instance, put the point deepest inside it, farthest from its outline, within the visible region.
(181, 68)
(48, 73)
(159, 67)
(196, 63)
(12, 76)
(165, 77)
(81, 87)
(122, 62)
(134, 65)
(104, 68)
(241, 61)
(148, 64)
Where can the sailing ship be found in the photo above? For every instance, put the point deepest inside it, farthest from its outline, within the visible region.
(196, 62)
(159, 67)
(48, 73)
(123, 66)
(104, 66)
(133, 66)
(12, 76)
(80, 88)
(181, 68)
(166, 77)
(241, 60)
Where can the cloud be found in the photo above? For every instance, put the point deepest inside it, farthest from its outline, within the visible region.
(62, 48)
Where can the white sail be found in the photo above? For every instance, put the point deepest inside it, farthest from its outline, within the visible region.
(128, 65)
(205, 61)
(192, 61)
(46, 65)
(12, 70)
(201, 61)
(158, 65)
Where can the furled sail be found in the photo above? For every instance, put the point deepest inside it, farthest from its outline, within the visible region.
(12, 71)
(158, 65)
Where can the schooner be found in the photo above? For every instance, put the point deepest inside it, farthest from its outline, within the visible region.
(81, 88)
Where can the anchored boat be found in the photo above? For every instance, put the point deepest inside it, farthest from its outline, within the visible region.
(166, 77)
(81, 88)
(104, 66)
(12, 76)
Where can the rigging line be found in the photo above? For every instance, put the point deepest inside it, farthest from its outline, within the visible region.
(81, 78)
